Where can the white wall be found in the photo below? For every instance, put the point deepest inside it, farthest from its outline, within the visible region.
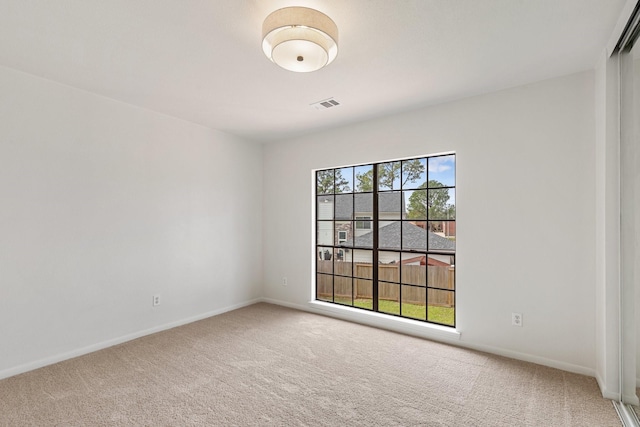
(525, 160)
(103, 205)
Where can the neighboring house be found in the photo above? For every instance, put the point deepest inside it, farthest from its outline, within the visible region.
(444, 228)
(390, 207)
(354, 215)
(413, 238)
(353, 220)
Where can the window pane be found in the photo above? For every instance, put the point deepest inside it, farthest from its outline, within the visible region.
(444, 229)
(390, 206)
(343, 290)
(363, 232)
(363, 294)
(415, 202)
(388, 267)
(344, 180)
(414, 302)
(441, 307)
(440, 273)
(442, 203)
(414, 173)
(325, 233)
(343, 233)
(389, 176)
(389, 297)
(324, 287)
(344, 206)
(363, 261)
(324, 182)
(364, 178)
(363, 223)
(414, 236)
(442, 170)
(364, 205)
(342, 261)
(414, 269)
(324, 207)
(389, 235)
(324, 262)
(439, 243)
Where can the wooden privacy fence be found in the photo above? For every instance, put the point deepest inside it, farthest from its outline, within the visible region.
(442, 277)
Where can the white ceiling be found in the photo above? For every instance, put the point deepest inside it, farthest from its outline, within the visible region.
(202, 60)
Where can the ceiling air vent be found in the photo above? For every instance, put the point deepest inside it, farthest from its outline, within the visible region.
(325, 103)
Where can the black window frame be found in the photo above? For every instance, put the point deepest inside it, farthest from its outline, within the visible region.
(330, 277)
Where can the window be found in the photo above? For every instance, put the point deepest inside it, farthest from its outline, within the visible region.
(386, 237)
(363, 223)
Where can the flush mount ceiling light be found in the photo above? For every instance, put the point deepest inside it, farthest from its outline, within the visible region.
(300, 39)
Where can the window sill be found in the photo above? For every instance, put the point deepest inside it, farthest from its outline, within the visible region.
(393, 323)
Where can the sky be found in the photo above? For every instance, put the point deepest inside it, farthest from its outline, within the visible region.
(443, 169)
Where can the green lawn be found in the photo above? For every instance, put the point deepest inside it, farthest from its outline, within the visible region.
(444, 315)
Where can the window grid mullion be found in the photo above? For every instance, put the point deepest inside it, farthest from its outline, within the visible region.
(333, 233)
(375, 235)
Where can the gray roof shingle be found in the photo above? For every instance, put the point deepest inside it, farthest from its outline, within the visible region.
(413, 237)
(387, 202)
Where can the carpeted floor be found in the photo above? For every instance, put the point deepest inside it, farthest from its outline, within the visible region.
(273, 366)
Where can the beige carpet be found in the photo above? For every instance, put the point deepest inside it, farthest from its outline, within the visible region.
(272, 366)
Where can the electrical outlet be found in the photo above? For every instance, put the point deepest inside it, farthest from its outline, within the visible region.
(284, 281)
(156, 300)
(516, 319)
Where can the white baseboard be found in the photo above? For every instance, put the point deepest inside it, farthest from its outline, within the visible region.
(445, 335)
(396, 324)
(551, 363)
(30, 366)
(392, 323)
(630, 399)
(607, 394)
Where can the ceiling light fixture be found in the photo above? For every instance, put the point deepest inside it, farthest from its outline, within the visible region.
(300, 39)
